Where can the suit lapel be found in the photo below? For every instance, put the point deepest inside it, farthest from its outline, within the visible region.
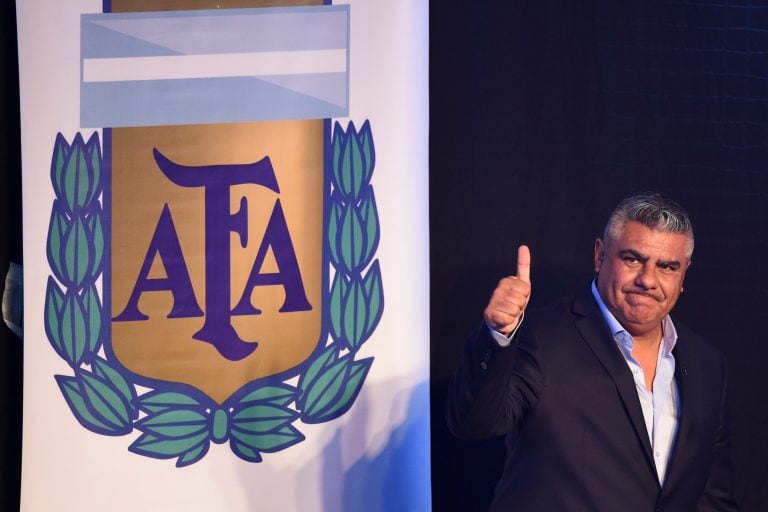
(591, 325)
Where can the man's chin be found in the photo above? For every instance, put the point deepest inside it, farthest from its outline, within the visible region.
(640, 318)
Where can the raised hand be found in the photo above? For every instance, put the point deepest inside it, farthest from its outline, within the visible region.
(510, 297)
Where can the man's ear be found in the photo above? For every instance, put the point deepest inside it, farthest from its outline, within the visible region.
(599, 253)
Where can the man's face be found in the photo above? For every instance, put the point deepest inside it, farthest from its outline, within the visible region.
(641, 275)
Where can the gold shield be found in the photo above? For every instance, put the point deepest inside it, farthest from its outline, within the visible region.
(162, 348)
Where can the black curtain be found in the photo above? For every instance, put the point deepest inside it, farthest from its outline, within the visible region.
(10, 250)
(543, 115)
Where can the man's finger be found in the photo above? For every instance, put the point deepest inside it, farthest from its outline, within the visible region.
(524, 263)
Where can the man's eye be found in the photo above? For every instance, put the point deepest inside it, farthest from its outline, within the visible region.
(630, 259)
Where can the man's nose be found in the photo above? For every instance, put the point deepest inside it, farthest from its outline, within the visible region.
(646, 277)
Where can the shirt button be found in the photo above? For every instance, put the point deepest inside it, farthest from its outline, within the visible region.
(483, 365)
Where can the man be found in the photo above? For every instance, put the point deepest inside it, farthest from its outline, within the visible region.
(606, 404)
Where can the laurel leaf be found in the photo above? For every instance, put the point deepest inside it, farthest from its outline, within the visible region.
(93, 315)
(156, 401)
(117, 382)
(351, 240)
(76, 254)
(93, 152)
(271, 442)
(54, 302)
(357, 162)
(78, 176)
(96, 232)
(370, 221)
(152, 446)
(355, 314)
(327, 357)
(338, 141)
(244, 451)
(72, 329)
(61, 149)
(262, 418)
(193, 455)
(56, 229)
(365, 137)
(104, 401)
(325, 390)
(352, 386)
(281, 394)
(334, 225)
(352, 165)
(374, 297)
(344, 166)
(70, 182)
(77, 403)
(335, 305)
(174, 423)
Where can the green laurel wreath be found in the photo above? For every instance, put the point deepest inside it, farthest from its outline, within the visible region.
(176, 424)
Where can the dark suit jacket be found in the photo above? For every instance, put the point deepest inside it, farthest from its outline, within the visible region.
(576, 440)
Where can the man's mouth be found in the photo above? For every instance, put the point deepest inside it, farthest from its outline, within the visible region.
(640, 297)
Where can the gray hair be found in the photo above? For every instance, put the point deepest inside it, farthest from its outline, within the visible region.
(653, 211)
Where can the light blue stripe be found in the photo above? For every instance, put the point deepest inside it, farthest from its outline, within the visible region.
(214, 100)
(217, 31)
(99, 42)
(199, 101)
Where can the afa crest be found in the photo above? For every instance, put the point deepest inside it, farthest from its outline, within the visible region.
(213, 284)
(212, 248)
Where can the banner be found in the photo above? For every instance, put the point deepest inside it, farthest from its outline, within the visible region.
(225, 237)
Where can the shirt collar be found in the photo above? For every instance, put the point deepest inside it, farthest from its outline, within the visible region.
(620, 334)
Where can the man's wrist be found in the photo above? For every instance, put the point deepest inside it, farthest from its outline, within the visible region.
(502, 339)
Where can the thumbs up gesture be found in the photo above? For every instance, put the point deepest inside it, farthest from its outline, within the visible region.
(509, 299)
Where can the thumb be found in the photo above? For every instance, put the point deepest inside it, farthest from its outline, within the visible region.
(524, 263)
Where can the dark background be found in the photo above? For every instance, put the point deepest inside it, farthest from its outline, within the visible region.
(542, 116)
(10, 250)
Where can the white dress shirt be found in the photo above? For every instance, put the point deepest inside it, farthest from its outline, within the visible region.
(661, 405)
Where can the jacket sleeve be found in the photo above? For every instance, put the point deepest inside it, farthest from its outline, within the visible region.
(718, 492)
(493, 387)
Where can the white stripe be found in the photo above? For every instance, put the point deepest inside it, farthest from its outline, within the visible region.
(123, 69)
